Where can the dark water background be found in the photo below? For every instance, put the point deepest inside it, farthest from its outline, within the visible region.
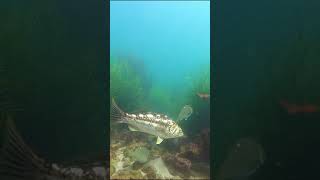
(264, 52)
(55, 53)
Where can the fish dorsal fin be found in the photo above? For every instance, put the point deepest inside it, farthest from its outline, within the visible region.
(132, 129)
(159, 140)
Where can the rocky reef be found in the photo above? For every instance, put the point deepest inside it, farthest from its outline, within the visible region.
(134, 155)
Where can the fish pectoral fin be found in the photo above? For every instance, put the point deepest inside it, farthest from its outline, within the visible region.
(159, 140)
(132, 129)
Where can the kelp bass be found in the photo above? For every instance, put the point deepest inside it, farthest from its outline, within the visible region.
(151, 123)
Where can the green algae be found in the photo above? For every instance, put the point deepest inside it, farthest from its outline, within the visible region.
(141, 154)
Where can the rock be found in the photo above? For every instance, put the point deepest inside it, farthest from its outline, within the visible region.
(150, 173)
(140, 154)
(76, 171)
(99, 171)
(179, 163)
(137, 165)
(183, 163)
(160, 169)
(55, 167)
(125, 174)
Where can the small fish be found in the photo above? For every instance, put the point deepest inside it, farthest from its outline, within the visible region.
(185, 113)
(155, 124)
(244, 159)
(294, 108)
(204, 96)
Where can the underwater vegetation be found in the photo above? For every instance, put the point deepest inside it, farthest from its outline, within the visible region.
(135, 92)
(199, 80)
(137, 155)
(126, 84)
(199, 83)
(164, 101)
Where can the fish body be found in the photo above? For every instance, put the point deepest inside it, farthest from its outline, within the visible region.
(158, 125)
(185, 113)
(294, 108)
(203, 96)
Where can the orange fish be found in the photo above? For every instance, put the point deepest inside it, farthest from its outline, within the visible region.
(203, 96)
(294, 108)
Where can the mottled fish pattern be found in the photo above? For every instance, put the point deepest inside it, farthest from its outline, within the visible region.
(155, 124)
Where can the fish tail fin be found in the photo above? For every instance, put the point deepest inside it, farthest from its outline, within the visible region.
(180, 115)
(116, 113)
(17, 160)
(185, 112)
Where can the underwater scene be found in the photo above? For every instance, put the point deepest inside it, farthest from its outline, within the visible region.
(160, 90)
(52, 90)
(267, 108)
